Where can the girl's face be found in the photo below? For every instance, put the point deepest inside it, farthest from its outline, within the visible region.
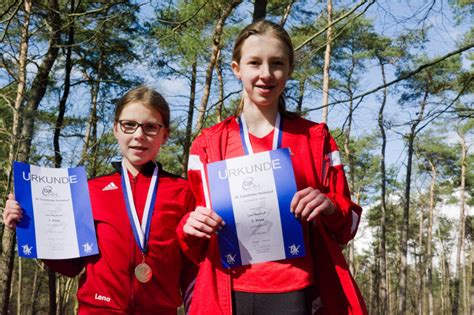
(263, 68)
(137, 147)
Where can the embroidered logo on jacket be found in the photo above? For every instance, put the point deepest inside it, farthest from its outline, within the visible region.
(102, 298)
(110, 186)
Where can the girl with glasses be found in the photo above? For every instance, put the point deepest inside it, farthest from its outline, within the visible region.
(133, 275)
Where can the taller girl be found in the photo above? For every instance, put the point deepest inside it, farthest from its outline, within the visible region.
(320, 282)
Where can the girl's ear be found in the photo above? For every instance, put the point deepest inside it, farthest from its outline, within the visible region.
(116, 126)
(165, 136)
(236, 69)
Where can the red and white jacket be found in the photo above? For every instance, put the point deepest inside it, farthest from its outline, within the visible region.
(108, 285)
(315, 151)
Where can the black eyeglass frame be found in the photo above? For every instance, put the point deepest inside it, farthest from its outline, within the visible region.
(137, 125)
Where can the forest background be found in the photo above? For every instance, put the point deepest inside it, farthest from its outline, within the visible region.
(392, 79)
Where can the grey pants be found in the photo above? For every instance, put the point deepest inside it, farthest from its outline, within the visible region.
(289, 303)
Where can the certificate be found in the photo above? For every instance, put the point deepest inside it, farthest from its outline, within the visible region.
(57, 215)
(252, 194)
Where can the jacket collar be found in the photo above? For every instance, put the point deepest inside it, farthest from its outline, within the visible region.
(146, 170)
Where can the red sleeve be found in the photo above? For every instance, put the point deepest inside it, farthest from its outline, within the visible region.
(344, 222)
(188, 277)
(194, 247)
(189, 269)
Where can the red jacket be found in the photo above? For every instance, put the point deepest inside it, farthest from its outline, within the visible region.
(108, 285)
(312, 147)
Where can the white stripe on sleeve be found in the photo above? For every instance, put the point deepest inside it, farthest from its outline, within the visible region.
(334, 158)
(194, 163)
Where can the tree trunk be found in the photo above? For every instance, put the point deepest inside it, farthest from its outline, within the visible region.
(34, 291)
(20, 279)
(189, 121)
(421, 264)
(442, 283)
(287, 13)
(389, 289)
(429, 245)
(36, 94)
(8, 236)
(458, 295)
(472, 281)
(402, 299)
(64, 293)
(260, 10)
(220, 79)
(375, 301)
(371, 285)
(216, 46)
(299, 106)
(404, 232)
(67, 85)
(40, 82)
(445, 276)
(90, 139)
(52, 292)
(327, 63)
(68, 292)
(385, 306)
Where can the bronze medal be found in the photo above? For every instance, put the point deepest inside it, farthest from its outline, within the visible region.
(141, 231)
(143, 272)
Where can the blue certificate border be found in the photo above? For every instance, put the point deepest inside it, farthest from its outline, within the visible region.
(26, 235)
(220, 196)
(80, 200)
(291, 226)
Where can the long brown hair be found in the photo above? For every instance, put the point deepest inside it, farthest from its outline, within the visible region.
(260, 28)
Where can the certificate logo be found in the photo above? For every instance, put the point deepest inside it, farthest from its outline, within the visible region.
(26, 249)
(294, 249)
(87, 247)
(230, 258)
(248, 184)
(47, 191)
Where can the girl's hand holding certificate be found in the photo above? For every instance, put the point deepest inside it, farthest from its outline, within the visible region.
(12, 213)
(309, 202)
(203, 222)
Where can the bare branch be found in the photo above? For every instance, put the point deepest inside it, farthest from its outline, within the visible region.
(9, 19)
(334, 23)
(287, 13)
(5, 12)
(403, 77)
(100, 10)
(181, 23)
(461, 92)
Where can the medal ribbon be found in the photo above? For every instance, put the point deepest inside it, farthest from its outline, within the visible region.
(142, 231)
(244, 134)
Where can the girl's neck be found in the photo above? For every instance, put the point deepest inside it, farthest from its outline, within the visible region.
(260, 119)
(133, 169)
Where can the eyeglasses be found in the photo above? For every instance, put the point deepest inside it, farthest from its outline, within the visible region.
(130, 126)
